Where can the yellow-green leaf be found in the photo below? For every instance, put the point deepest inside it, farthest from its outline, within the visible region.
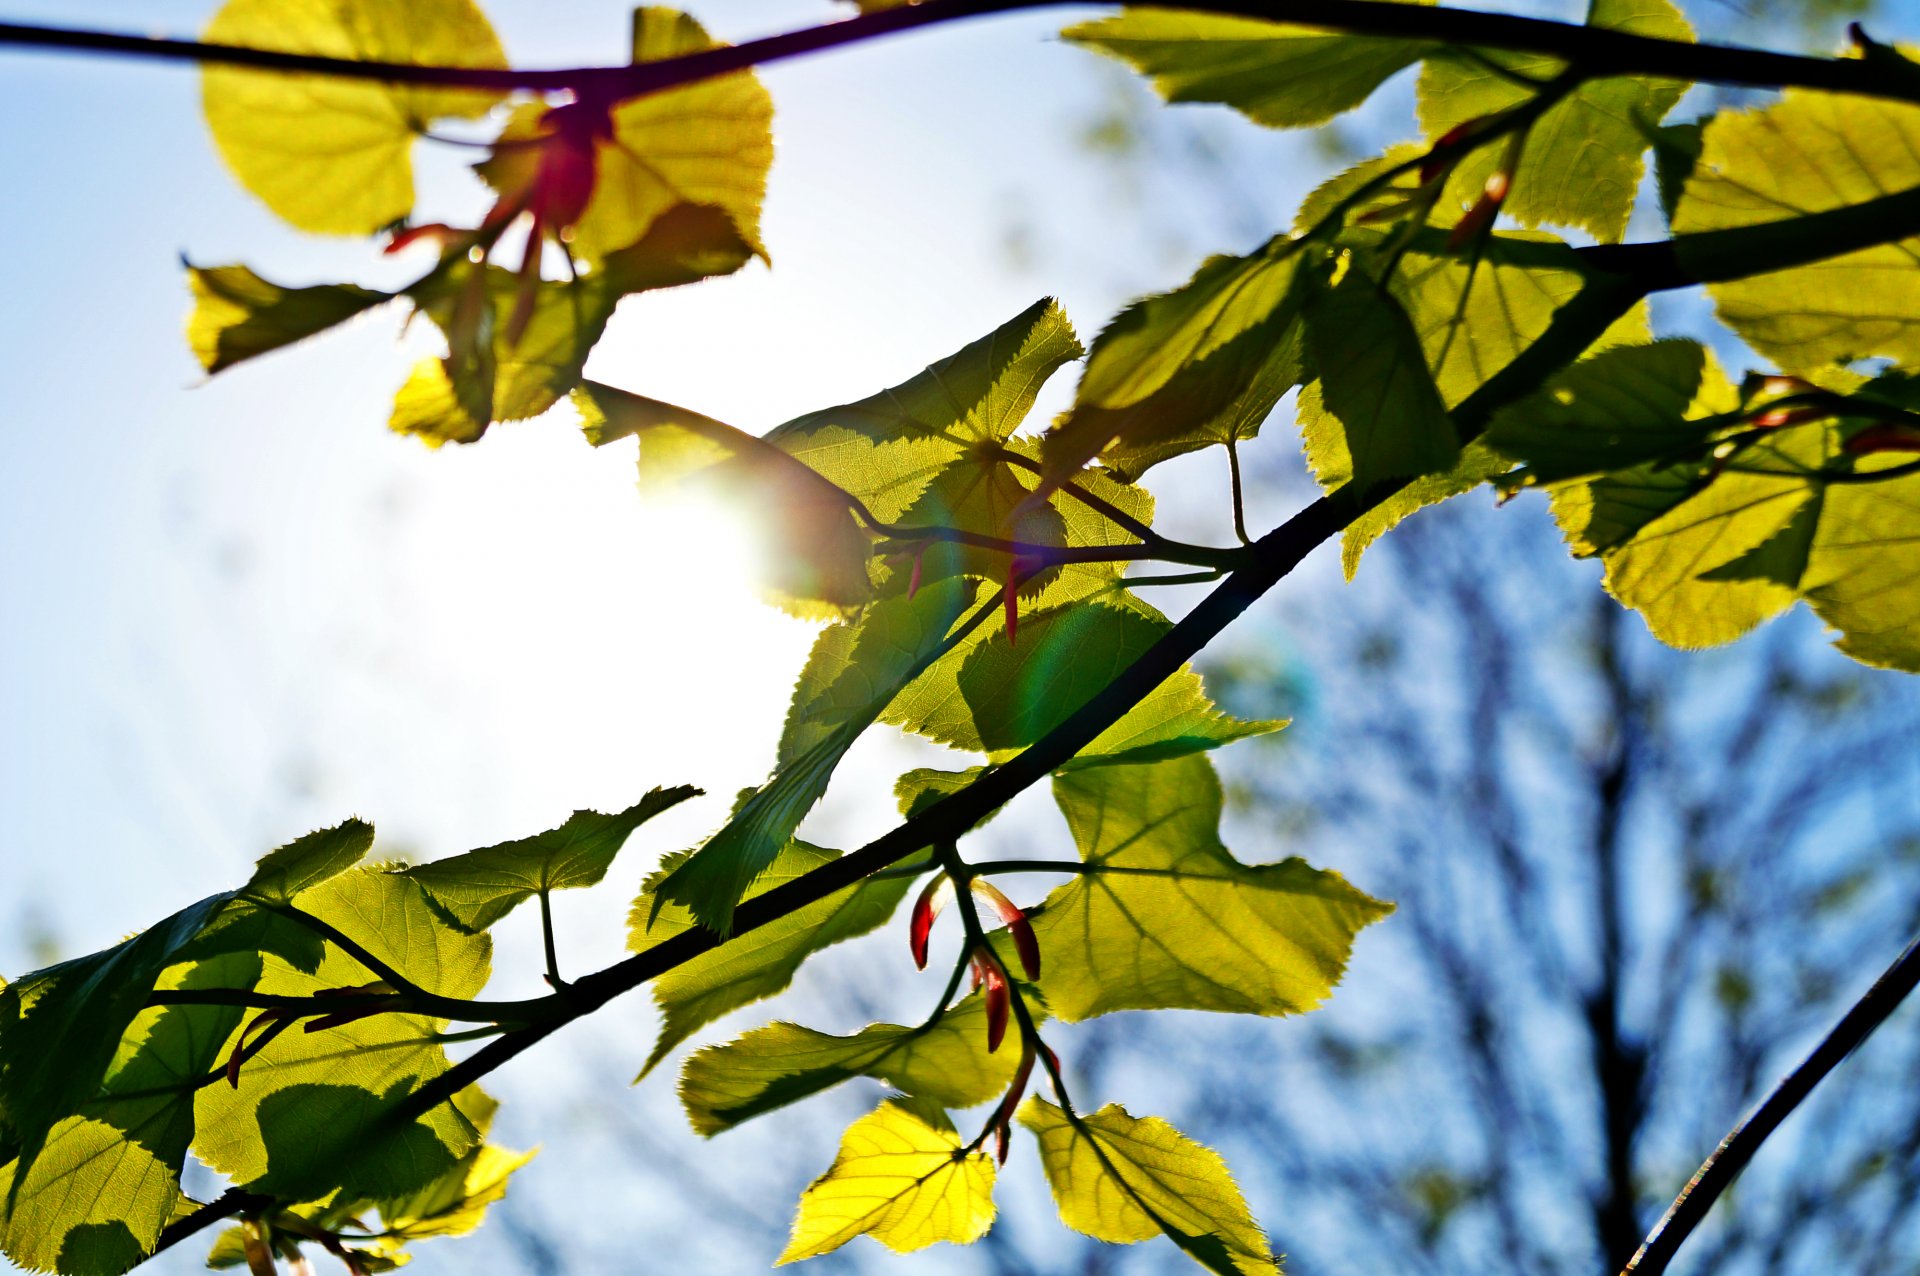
(1122, 1179)
(946, 1061)
(1279, 75)
(237, 314)
(1581, 165)
(1163, 915)
(1809, 153)
(333, 155)
(900, 1178)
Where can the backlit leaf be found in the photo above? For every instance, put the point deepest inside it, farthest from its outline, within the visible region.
(1165, 916)
(900, 1178)
(479, 888)
(334, 155)
(1122, 1179)
(237, 314)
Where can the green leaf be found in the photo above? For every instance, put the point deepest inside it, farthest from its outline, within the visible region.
(761, 962)
(901, 1178)
(1164, 916)
(307, 861)
(60, 1030)
(709, 144)
(1619, 408)
(851, 676)
(887, 449)
(1280, 76)
(333, 155)
(237, 314)
(107, 1180)
(1123, 1179)
(457, 1202)
(1810, 153)
(919, 789)
(1200, 365)
(1374, 386)
(946, 1062)
(311, 1114)
(479, 888)
(1581, 166)
(816, 549)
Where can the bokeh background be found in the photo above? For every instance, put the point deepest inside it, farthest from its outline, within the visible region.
(1634, 885)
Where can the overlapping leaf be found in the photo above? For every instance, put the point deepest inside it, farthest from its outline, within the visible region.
(1581, 164)
(1809, 153)
(945, 1061)
(761, 962)
(900, 1178)
(1122, 1179)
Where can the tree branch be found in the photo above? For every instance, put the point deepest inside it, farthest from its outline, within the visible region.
(1719, 1170)
(1596, 51)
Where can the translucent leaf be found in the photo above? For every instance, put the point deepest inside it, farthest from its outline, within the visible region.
(479, 888)
(1581, 166)
(311, 1112)
(237, 314)
(900, 1178)
(761, 962)
(816, 548)
(919, 789)
(1809, 153)
(283, 873)
(1278, 75)
(1122, 1179)
(107, 1181)
(708, 143)
(332, 155)
(1200, 365)
(946, 1062)
(457, 1202)
(60, 1029)
(848, 680)
(1164, 916)
(887, 448)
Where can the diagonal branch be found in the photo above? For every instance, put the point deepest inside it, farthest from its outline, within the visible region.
(1595, 51)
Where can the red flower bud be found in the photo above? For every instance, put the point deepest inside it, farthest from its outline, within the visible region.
(925, 909)
(999, 999)
(1886, 436)
(1774, 418)
(1018, 927)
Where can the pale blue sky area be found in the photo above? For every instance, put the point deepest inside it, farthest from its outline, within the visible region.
(239, 609)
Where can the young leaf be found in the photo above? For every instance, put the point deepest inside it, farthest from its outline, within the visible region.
(1581, 166)
(1281, 76)
(237, 314)
(1200, 365)
(1123, 1179)
(333, 155)
(456, 1203)
(901, 1178)
(761, 962)
(946, 1062)
(282, 873)
(1808, 153)
(1165, 917)
(479, 888)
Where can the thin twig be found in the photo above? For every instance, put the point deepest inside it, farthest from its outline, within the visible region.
(1719, 1170)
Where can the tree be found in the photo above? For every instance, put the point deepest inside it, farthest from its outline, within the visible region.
(975, 584)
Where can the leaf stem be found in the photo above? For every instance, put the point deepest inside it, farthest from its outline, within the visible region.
(1239, 497)
(546, 939)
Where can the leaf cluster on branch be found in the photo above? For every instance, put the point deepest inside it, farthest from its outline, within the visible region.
(975, 581)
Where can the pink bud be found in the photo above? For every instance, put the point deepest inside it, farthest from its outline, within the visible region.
(1015, 920)
(925, 909)
(1887, 436)
(999, 1000)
